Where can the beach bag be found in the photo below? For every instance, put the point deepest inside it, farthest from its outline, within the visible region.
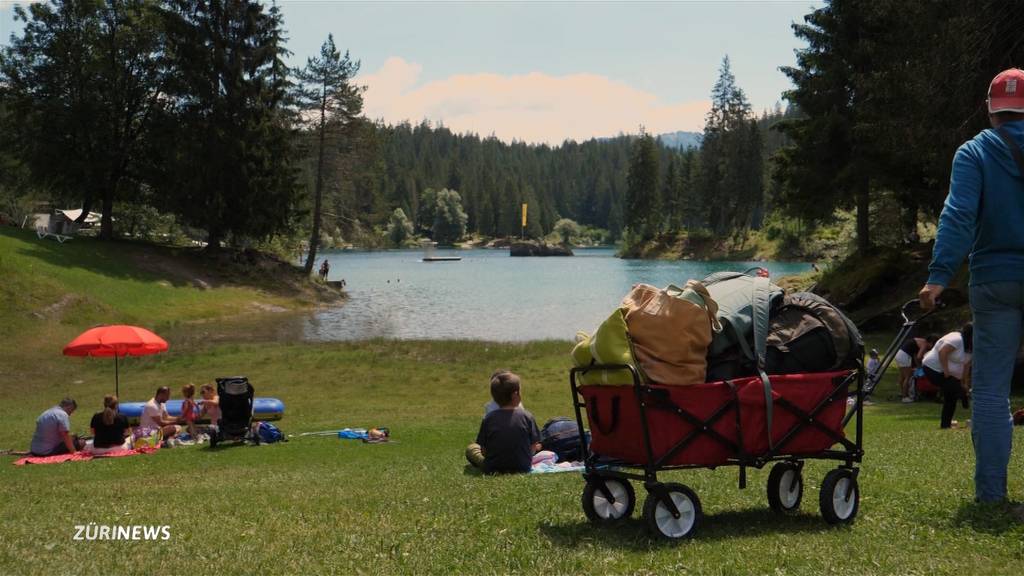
(267, 433)
(671, 330)
(561, 435)
(808, 334)
(610, 344)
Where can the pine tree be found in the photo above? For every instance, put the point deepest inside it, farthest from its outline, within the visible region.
(642, 181)
(325, 88)
(230, 167)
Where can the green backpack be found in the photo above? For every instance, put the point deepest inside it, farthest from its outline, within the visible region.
(610, 344)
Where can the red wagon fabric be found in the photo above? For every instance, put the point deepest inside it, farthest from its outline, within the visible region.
(716, 422)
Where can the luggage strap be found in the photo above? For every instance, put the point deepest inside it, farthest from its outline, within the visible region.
(1014, 148)
(761, 307)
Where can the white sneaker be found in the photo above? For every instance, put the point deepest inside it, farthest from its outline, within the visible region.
(907, 400)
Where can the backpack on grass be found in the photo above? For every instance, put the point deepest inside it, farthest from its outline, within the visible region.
(267, 433)
(562, 436)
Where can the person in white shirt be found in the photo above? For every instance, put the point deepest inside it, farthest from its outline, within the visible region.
(948, 366)
(155, 417)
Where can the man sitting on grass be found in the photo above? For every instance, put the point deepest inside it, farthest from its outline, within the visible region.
(155, 417)
(508, 437)
(53, 431)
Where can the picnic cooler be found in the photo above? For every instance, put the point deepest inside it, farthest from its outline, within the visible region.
(732, 411)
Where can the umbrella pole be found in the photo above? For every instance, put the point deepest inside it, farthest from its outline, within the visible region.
(117, 383)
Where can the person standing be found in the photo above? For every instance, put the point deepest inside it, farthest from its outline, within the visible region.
(982, 216)
(53, 431)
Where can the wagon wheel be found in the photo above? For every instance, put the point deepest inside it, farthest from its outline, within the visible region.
(840, 496)
(671, 524)
(785, 487)
(608, 500)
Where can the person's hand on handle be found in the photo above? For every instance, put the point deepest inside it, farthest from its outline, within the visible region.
(929, 296)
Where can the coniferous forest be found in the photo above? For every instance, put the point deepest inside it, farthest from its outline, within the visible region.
(180, 119)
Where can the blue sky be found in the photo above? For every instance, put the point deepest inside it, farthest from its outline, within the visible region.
(548, 71)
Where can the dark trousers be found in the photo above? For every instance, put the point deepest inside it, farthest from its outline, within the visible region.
(951, 394)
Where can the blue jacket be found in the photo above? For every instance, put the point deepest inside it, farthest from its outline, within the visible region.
(983, 213)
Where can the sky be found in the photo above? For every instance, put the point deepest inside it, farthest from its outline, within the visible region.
(547, 71)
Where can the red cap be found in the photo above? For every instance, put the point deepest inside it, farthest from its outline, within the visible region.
(1006, 92)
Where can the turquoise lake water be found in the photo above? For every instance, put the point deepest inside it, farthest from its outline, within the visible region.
(489, 295)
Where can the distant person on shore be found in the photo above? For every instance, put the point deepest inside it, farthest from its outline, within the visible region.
(110, 430)
(325, 269)
(508, 437)
(53, 431)
(991, 167)
(155, 417)
(948, 366)
(908, 358)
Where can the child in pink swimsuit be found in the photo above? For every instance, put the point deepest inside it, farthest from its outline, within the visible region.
(189, 409)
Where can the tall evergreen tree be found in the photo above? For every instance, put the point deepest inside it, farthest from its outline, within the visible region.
(641, 194)
(325, 89)
(231, 168)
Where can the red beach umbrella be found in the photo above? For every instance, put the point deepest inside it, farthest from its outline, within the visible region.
(118, 340)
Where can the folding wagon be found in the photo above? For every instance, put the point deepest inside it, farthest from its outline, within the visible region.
(642, 429)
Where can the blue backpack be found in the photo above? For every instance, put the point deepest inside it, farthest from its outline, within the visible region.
(267, 433)
(562, 436)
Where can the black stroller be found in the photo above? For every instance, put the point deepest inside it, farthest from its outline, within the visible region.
(236, 398)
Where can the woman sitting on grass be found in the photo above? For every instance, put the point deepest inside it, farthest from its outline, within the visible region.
(948, 366)
(110, 430)
(210, 404)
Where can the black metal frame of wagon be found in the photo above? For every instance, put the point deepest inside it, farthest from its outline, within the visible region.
(849, 453)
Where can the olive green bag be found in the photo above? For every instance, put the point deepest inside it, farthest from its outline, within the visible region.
(610, 344)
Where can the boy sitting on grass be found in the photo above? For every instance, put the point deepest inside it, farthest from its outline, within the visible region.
(508, 437)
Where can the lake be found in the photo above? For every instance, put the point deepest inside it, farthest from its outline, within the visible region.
(489, 295)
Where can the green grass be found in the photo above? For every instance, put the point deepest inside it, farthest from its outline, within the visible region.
(323, 505)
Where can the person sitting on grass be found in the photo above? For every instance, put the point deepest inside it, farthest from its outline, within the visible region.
(155, 417)
(948, 366)
(53, 431)
(508, 436)
(110, 430)
(210, 405)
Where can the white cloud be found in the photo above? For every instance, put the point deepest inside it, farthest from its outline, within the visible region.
(533, 107)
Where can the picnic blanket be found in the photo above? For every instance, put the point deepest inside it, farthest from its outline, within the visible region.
(551, 468)
(80, 456)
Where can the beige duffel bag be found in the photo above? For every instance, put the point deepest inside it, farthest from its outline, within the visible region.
(671, 331)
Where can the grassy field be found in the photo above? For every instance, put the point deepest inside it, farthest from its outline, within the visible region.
(324, 505)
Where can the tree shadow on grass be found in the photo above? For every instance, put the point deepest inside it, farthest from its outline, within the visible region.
(988, 517)
(632, 534)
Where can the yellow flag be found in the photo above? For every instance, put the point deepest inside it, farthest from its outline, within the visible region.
(524, 214)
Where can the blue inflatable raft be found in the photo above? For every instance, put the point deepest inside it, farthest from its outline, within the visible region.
(263, 409)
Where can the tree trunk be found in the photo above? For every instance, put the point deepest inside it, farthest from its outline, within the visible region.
(863, 196)
(107, 219)
(314, 238)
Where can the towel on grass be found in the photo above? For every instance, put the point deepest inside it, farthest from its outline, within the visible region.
(80, 456)
(551, 468)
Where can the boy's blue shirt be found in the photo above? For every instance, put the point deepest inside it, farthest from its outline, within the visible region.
(984, 212)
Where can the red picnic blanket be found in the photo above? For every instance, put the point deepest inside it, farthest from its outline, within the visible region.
(80, 456)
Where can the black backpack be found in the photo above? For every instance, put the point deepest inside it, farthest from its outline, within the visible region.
(562, 436)
(808, 334)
